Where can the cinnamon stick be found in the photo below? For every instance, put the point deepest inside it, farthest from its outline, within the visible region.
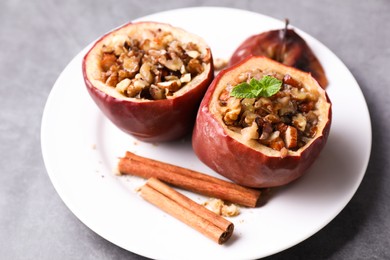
(188, 179)
(191, 213)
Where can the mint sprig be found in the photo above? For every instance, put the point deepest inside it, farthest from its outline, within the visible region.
(266, 87)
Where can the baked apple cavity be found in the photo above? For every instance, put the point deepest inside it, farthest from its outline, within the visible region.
(149, 78)
(262, 123)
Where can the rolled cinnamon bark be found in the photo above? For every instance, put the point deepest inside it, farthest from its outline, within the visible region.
(189, 212)
(188, 179)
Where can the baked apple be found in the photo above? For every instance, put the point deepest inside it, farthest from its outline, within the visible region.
(285, 46)
(148, 78)
(262, 123)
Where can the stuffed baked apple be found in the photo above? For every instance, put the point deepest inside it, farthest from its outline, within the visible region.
(148, 78)
(261, 123)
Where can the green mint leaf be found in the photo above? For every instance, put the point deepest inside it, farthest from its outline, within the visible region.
(244, 90)
(255, 83)
(266, 87)
(271, 86)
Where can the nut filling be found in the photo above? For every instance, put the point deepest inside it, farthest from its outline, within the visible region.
(285, 121)
(153, 67)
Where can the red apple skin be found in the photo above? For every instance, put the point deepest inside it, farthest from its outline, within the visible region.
(240, 163)
(154, 121)
(151, 120)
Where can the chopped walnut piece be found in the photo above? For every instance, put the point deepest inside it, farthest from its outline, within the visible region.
(291, 137)
(134, 89)
(123, 85)
(299, 121)
(233, 111)
(145, 72)
(249, 118)
(231, 210)
(185, 78)
(173, 64)
(290, 81)
(194, 66)
(207, 57)
(277, 144)
(156, 92)
(193, 54)
(225, 95)
(172, 85)
(107, 61)
(131, 64)
(221, 208)
(112, 80)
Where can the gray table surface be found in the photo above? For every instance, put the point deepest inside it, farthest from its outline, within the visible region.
(39, 38)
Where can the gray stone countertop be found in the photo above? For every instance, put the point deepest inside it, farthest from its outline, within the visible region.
(40, 37)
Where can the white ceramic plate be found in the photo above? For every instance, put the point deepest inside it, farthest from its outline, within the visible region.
(80, 149)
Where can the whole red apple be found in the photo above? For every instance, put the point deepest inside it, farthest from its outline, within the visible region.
(285, 46)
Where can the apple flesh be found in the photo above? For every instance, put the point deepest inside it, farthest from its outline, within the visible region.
(146, 119)
(284, 46)
(250, 163)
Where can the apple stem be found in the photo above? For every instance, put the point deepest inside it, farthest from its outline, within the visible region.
(283, 38)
